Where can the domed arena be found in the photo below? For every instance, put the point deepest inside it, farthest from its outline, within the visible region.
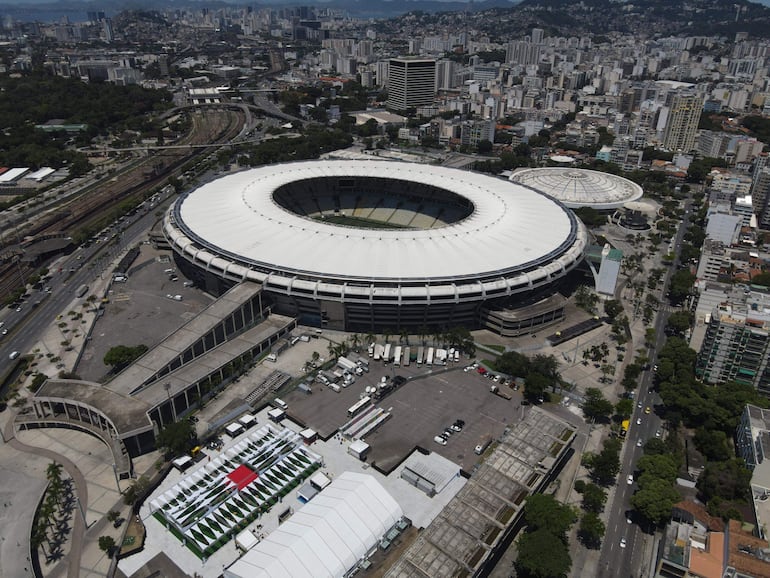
(577, 188)
(372, 245)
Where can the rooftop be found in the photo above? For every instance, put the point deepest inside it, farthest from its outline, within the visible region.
(580, 187)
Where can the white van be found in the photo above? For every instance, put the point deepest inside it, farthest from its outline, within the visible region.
(272, 357)
(13, 355)
(280, 403)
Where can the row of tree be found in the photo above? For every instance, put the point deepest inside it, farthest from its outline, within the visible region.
(543, 548)
(51, 524)
(540, 373)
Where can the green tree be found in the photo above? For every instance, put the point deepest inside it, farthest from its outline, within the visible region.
(679, 322)
(107, 544)
(594, 498)
(663, 466)
(53, 474)
(136, 490)
(178, 437)
(613, 308)
(729, 480)
(542, 554)
(713, 444)
(542, 511)
(655, 499)
(606, 464)
(624, 408)
(586, 299)
(535, 386)
(591, 531)
(513, 363)
(122, 355)
(595, 406)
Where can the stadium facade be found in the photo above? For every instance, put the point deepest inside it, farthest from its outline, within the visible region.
(374, 245)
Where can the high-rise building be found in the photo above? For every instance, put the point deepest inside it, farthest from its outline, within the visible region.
(411, 83)
(522, 52)
(760, 187)
(736, 346)
(445, 74)
(682, 122)
(537, 35)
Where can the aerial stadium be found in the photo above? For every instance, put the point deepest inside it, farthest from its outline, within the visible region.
(373, 245)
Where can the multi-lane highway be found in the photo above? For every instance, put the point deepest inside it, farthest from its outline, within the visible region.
(82, 267)
(630, 558)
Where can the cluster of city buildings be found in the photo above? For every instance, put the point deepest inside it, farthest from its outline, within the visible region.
(645, 93)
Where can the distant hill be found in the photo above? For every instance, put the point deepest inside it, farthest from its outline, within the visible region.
(500, 19)
(651, 17)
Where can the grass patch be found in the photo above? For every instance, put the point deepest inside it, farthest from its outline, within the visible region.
(490, 363)
(498, 348)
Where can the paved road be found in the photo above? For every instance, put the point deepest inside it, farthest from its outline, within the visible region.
(631, 561)
(26, 327)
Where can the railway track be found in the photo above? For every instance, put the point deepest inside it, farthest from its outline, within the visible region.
(96, 205)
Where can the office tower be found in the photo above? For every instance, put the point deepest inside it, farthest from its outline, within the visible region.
(537, 35)
(682, 122)
(736, 346)
(445, 74)
(411, 83)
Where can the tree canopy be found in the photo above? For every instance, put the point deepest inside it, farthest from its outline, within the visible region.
(121, 355)
(542, 549)
(542, 511)
(595, 406)
(178, 437)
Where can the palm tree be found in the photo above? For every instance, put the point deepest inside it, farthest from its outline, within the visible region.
(55, 485)
(404, 336)
(370, 338)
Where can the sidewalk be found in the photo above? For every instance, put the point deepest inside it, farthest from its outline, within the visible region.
(86, 460)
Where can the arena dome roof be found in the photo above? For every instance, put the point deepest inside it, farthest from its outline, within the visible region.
(377, 236)
(580, 187)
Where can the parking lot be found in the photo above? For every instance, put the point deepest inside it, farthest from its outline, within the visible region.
(429, 402)
(139, 310)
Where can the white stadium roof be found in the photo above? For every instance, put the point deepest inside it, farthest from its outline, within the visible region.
(326, 537)
(580, 187)
(235, 226)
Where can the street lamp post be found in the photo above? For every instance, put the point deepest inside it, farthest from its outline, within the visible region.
(167, 387)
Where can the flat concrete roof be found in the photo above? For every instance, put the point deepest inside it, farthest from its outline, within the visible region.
(474, 521)
(126, 413)
(208, 362)
(175, 343)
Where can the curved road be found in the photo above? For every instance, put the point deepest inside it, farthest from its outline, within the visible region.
(81, 491)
